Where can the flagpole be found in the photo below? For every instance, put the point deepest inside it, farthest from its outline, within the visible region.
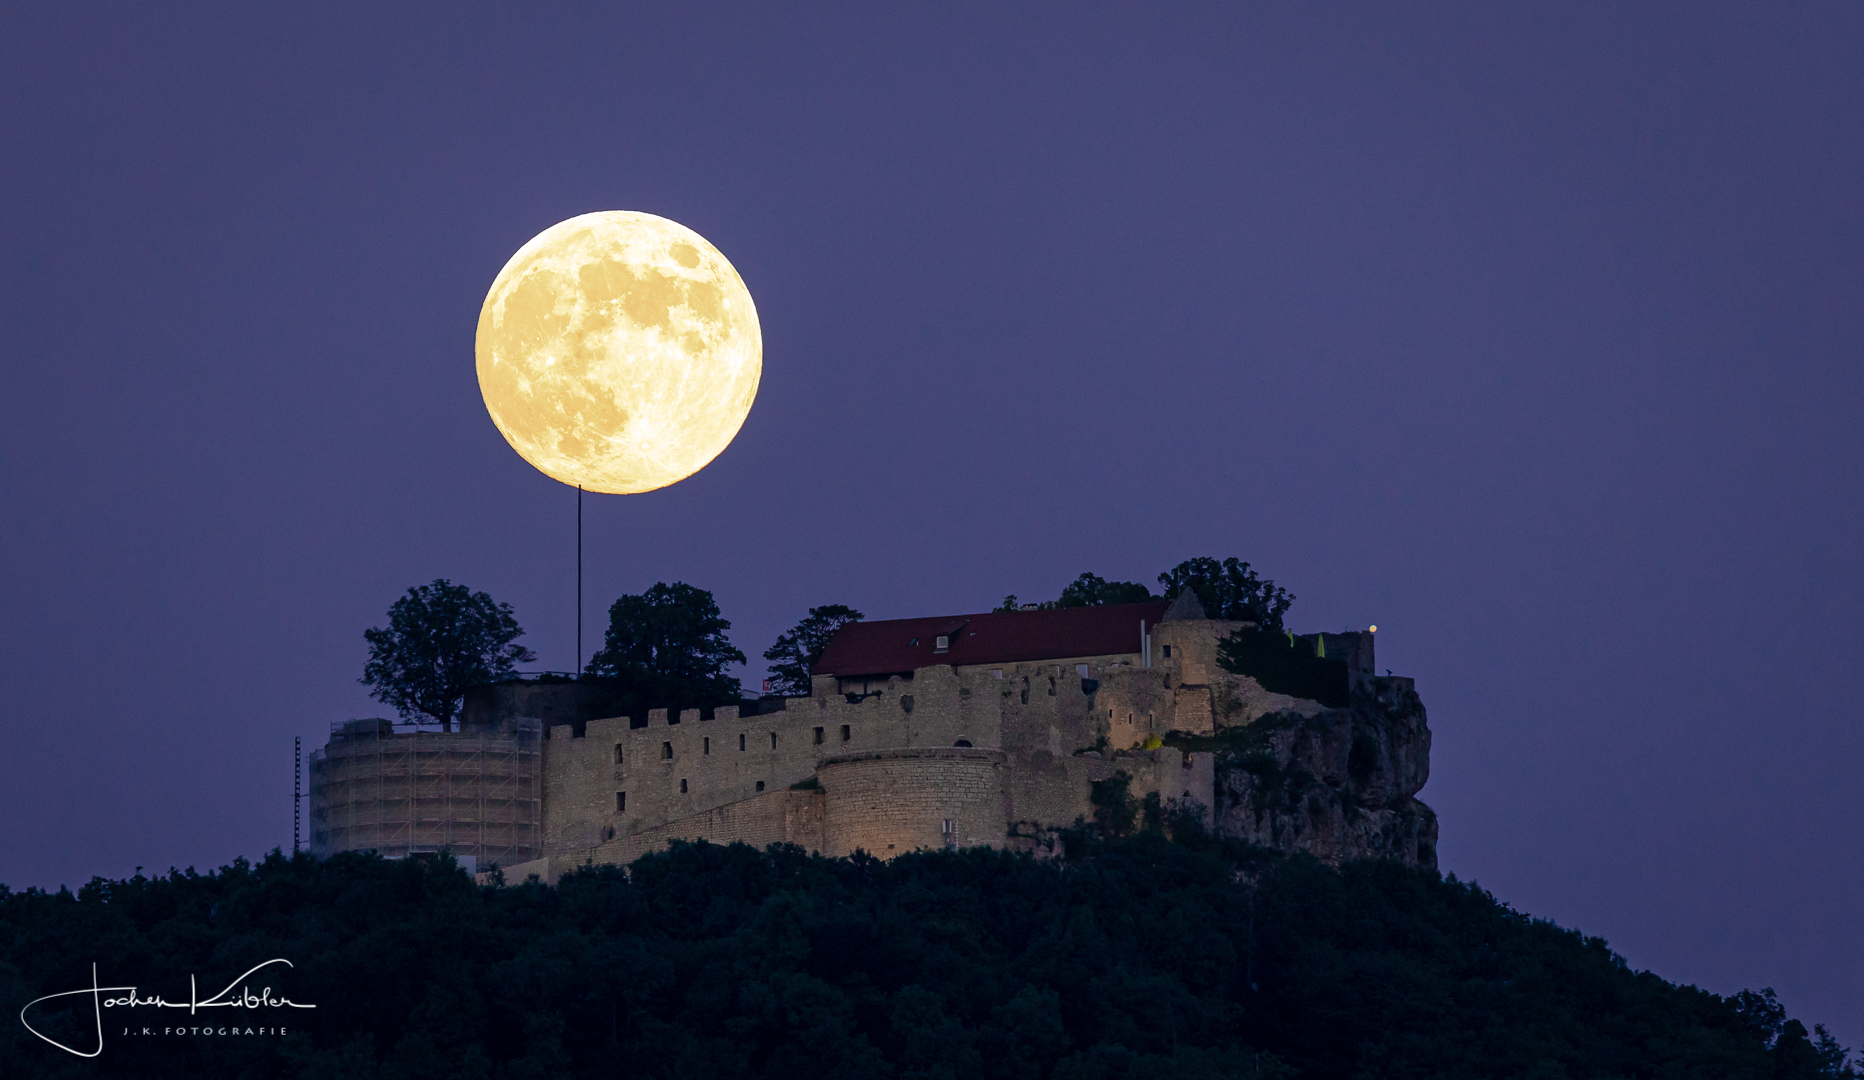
(576, 668)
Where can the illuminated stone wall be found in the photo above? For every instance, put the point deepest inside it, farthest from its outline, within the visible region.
(887, 802)
(988, 755)
(1004, 752)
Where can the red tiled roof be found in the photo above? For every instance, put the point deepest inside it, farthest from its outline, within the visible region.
(889, 646)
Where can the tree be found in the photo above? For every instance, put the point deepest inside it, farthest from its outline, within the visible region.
(1090, 590)
(669, 645)
(1229, 590)
(441, 639)
(797, 650)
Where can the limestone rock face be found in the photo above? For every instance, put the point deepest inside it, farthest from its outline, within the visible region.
(1338, 784)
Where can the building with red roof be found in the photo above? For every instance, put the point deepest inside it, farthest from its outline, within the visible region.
(989, 728)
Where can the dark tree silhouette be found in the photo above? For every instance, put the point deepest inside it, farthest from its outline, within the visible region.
(1165, 953)
(441, 639)
(1229, 590)
(1091, 590)
(797, 650)
(669, 646)
(1088, 590)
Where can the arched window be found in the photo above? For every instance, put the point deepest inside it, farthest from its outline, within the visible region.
(962, 742)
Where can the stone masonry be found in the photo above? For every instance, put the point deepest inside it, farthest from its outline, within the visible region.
(924, 733)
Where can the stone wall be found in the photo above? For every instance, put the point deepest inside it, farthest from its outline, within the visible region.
(671, 771)
(996, 755)
(617, 780)
(886, 802)
(785, 816)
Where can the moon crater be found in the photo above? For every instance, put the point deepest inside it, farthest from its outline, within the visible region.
(619, 351)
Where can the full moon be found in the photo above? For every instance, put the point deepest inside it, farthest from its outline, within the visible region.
(619, 351)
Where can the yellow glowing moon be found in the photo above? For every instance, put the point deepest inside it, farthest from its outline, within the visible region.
(619, 351)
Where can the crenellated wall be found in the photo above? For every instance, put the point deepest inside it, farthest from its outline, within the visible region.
(1000, 755)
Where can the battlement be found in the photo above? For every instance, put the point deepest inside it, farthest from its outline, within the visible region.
(949, 752)
(993, 736)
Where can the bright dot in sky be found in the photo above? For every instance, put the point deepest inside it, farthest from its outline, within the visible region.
(1372, 629)
(619, 351)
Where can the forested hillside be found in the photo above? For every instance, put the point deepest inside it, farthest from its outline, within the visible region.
(1141, 958)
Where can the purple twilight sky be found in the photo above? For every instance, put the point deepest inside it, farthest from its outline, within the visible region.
(1529, 333)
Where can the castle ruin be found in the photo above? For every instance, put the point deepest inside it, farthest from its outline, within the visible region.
(986, 729)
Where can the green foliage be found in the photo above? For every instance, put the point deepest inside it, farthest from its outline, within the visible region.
(797, 650)
(1238, 740)
(667, 648)
(1139, 958)
(1284, 664)
(1229, 590)
(1090, 590)
(1796, 1049)
(1115, 809)
(440, 640)
(1152, 813)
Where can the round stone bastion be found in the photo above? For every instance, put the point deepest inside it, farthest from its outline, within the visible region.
(889, 802)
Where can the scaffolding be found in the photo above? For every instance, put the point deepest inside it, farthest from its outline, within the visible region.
(478, 795)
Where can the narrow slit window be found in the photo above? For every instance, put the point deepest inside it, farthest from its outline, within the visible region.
(621, 802)
(666, 751)
(1167, 649)
(741, 740)
(706, 745)
(846, 734)
(818, 736)
(773, 740)
(682, 787)
(617, 753)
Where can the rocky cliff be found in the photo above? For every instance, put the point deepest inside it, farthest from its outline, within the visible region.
(1336, 783)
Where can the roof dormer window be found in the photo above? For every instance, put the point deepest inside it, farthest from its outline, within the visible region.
(943, 643)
